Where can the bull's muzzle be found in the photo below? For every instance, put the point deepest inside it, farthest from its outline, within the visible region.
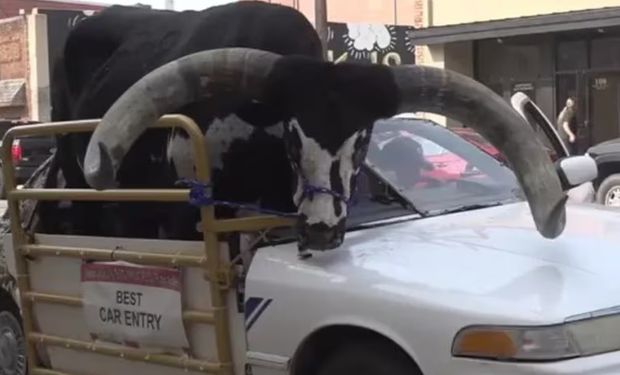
(319, 236)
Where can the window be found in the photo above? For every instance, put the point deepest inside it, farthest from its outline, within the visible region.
(438, 169)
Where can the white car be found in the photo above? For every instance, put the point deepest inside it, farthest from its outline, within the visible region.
(444, 277)
(471, 293)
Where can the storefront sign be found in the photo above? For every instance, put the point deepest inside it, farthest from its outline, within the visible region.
(371, 43)
(525, 87)
(133, 304)
(600, 83)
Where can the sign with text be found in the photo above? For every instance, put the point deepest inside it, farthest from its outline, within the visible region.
(371, 43)
(132, 304)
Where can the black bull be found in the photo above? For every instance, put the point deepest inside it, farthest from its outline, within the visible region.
(258, 65)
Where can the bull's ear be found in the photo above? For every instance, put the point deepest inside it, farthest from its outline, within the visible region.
(369, 88)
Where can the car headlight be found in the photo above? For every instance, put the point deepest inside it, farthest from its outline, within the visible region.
(574, 338)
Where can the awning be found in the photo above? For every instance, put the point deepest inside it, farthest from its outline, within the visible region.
(12, 92)
(549, 23)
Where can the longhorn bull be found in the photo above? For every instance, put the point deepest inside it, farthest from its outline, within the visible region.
(252, 76)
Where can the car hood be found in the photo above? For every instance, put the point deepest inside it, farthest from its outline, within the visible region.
(611, 146)
(486, 260)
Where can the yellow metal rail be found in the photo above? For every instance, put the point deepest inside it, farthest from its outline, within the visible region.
(131, 354)
(216, 271)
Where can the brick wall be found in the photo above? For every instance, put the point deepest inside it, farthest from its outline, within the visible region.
(13, 58)
(13, 48)
(26, 57)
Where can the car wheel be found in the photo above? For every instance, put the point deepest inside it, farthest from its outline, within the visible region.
(608, 192)
(369, 357)
(12, 342)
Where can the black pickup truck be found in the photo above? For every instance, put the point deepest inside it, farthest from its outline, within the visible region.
(607, 184)
(27, 152)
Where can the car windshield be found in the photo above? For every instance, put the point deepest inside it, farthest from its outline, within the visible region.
(416, 168)
(435, 170)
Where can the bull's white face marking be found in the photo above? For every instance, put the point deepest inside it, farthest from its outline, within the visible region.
(222, 133)
(61, 183)
(179, 152)
(276, 130)
(219, 137)
(316, 163)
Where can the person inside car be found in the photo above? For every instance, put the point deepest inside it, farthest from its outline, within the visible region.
(401, 159)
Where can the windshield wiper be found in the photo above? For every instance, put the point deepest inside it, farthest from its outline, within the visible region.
(398, 195)
(470, 207)
(386, 199)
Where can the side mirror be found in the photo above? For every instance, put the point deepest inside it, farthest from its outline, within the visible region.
(539, 122)
(576, 170)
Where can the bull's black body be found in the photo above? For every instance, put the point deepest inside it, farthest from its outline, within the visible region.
(107, 53)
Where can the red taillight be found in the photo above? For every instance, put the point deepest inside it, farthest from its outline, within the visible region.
(16, 150)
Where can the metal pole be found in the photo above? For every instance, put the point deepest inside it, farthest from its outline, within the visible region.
(320, 13)
(395, 12)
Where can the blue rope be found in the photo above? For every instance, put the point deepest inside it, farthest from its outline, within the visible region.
(201, 194)
(310, 190)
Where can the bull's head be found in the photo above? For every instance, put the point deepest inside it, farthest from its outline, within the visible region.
(329, 111)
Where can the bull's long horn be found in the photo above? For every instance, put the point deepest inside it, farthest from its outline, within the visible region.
(167, 89)
(428, 89)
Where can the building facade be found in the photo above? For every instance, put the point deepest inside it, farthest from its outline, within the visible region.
(32, 34)
(370, 31)
(13, 67)
(551, 50)
(373, 31)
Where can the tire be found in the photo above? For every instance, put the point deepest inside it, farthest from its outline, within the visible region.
(12, 342)
(369, 357)
(608, 193)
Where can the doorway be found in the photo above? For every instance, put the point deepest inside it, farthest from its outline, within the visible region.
(571, 85)
(604, 106)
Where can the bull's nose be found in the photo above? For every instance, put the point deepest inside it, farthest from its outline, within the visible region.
(320, 232)
(321, 236)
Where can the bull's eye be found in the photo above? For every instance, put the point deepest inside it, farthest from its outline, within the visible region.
(293, 155)
(358, 156)
(336, 185)
(361, 148)
(294, 181)
(293, 145)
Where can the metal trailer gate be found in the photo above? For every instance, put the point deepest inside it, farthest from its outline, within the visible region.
(218, 273)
